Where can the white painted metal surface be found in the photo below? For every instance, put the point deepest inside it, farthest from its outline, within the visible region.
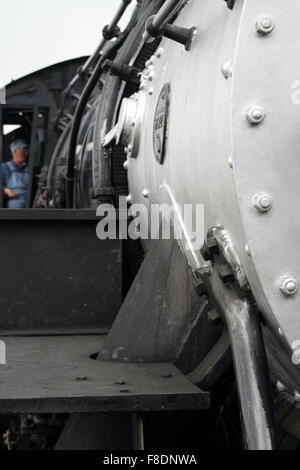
(233, 140)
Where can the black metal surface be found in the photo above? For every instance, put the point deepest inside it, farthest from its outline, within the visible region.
(214, 364)
(250, 364)
(56, 275)
(161, 313)
(43, 89)
(57, 375)
(97, 431)
(1, 155)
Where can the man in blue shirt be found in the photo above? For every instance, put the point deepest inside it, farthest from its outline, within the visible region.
(16, 176)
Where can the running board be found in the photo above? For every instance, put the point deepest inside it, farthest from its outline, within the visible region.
(59, 375)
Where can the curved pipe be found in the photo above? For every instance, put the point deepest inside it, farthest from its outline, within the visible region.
(250, 364)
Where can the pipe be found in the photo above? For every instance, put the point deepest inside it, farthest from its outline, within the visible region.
(92, 82)
(122, 8)
(250, 364)
(163, 16)
(108, 33)
(102, 166)
(76, 77)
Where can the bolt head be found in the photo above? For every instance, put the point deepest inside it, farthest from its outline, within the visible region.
(264, 25)
(263, 202)
(255, 115)
(126, 165)
(146, 193)
(129, 199)
(289, 287)
(230, 162)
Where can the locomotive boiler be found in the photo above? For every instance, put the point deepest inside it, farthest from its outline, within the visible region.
(193, 103)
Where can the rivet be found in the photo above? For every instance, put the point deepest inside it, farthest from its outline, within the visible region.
(227, 69)
(126, 165)
(145, 193)
(230, 162)
(255, 115)
(263, 202)
(280, 387)
(289, 286)
(247, 249)
(160, 52)
(151, 91)
(129, 199)
(264, 25)
(151, 76)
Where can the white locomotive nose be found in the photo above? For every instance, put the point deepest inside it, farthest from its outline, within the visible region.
(231, 144)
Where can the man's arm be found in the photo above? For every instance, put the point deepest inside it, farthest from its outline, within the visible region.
(10, 193)
(6, 191)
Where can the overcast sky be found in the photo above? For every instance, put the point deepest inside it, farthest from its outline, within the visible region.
(38, 33)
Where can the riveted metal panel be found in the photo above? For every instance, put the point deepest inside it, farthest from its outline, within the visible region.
(266, 155)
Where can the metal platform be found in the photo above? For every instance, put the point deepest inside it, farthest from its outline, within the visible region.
(56, 375)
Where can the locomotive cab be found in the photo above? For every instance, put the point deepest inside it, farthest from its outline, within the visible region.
(28, 123)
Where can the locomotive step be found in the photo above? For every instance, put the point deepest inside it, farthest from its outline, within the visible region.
(59, 374)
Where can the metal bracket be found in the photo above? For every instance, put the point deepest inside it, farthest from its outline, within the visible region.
(219, 243)
(178, 34)
(125, 72)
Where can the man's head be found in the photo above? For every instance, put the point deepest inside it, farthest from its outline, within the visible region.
(19, 150)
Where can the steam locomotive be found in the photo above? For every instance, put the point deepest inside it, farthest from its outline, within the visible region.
(194, 102)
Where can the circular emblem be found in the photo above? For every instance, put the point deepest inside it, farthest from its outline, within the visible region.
(160, 126)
